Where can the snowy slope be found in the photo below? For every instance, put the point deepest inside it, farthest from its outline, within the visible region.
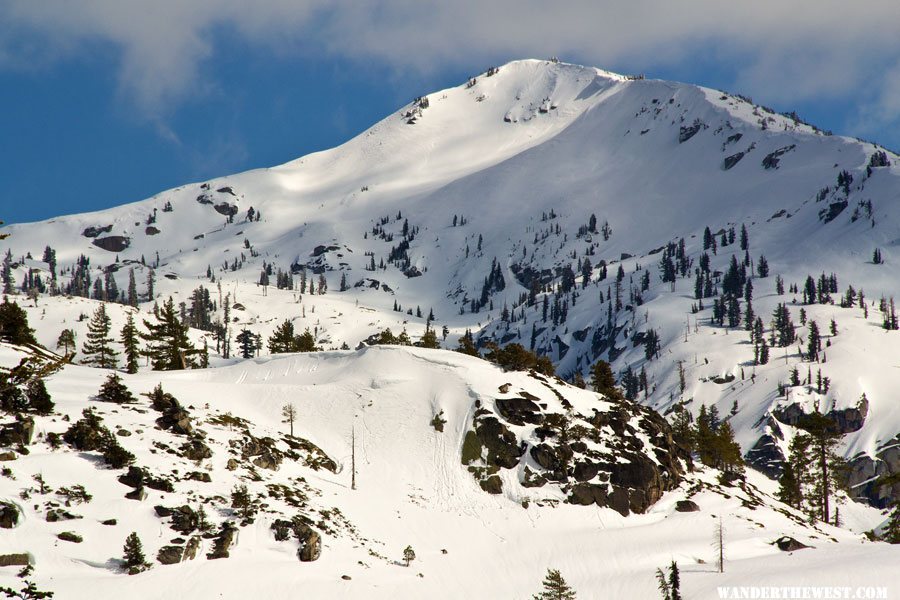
(525, 156)
(411, 490)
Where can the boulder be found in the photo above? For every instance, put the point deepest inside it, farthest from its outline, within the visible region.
(113, 243)
(789, 544)
(311, 549)
(586, 494)
(94, 231)
(267, 461)
(686, 506)
(519, 411)
(191, 549)
(530, 479)
(15, 560)
(70, 536)
(585, 471)
(502, 445)
(545, 456)
(133, 478)
(9, 515)
(226, 538)
(18, 433)
(195, 450)
(184, 519)
(766, 456)
(170, 555)
(618, 501)
(55, 515)
(7, 456)
(139, 494)
(492, 485)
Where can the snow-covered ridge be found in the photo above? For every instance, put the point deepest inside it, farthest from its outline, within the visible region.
(411, 489)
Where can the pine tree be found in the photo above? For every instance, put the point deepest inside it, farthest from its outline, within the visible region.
(132, 289)
(814, 342)
(669, 587)
(129, 340)
(6, 276)
(97, 349)
(14, 327)
(66, 340)
(892, 531)
(726, 451)
(169, 348)
(681, 427)
(113, 390)
(282, 339)
(829, 466)
(39, 400)
(151, 280)
(409, 555)
(134, 561)
(306, 342)
(247, 341)
(429, 339)
(603, 381)
(467, 344)
(555, 588)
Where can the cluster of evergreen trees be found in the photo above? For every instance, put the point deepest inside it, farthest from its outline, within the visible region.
(166, 342)
(814, 470)
(710, 438)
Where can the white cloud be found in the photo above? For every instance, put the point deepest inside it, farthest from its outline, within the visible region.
(780, 51)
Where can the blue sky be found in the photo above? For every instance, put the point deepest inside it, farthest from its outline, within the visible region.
(115, 102)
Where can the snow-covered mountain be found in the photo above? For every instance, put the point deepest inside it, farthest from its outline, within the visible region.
(557, 206)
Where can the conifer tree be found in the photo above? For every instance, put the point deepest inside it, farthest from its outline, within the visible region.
(97, 348)
(129, 339)
(429, 339)
(892, 531)
(603, 381)
(66, 340)
(169, 348)
(306, 342)
(6, 276)
(681, 427)
(14, 327)
(814, 342)
(113, 390)
(282, 339)
(132, 289)
(409, 555)
(555, 587)
(134, 561)
(39, 400)
(247, 341)
(467, 344)
(151, 280)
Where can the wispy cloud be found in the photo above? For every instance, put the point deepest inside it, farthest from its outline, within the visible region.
(784, 51)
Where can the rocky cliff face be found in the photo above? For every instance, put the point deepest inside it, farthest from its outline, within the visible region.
(620, 455)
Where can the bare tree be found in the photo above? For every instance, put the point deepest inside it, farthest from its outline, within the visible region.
(289, 414)
(719, 543)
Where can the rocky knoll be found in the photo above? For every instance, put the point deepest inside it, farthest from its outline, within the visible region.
(620, 455)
